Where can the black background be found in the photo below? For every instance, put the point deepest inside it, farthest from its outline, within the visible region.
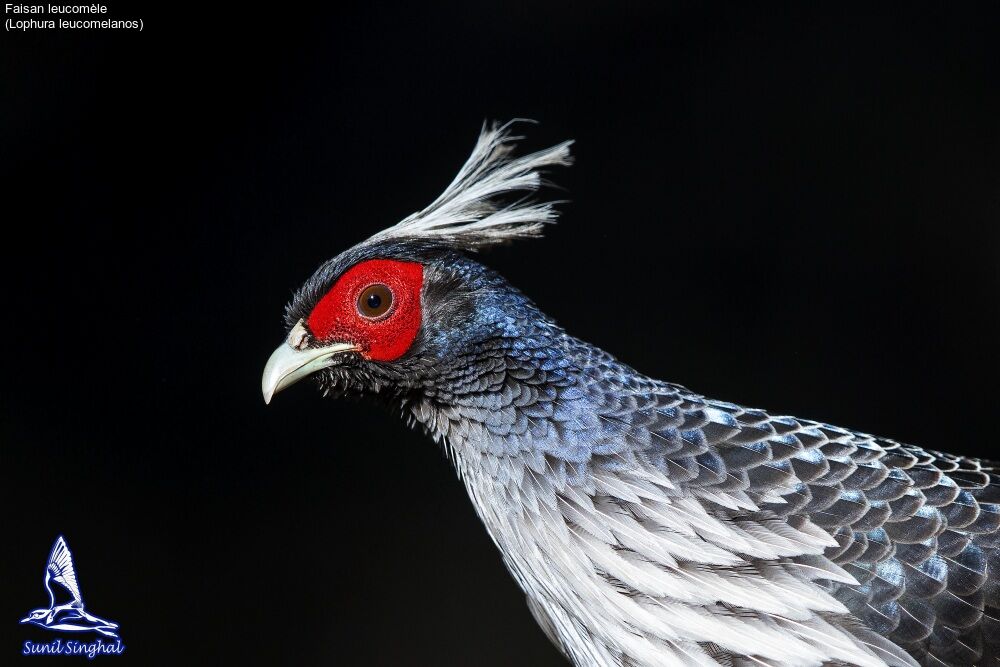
(787, 207)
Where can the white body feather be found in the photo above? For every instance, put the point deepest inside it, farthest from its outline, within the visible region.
(563, 550)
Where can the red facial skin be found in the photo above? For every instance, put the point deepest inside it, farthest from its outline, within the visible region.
(386, 338)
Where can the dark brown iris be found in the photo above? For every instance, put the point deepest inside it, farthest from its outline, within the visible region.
(375, 301)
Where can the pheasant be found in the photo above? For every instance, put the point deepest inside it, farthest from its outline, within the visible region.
(645, 523)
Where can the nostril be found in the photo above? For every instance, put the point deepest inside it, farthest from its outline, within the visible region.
(298, 336)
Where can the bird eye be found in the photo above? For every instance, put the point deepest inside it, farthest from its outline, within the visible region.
(375, 301)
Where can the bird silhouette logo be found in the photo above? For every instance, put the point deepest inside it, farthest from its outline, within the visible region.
(69, 616)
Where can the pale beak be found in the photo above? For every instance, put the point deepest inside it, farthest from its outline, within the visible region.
(293, 361)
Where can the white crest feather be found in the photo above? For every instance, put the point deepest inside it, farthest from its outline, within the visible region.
(468, 215)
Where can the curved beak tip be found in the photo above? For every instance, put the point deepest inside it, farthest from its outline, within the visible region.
(289, 364)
